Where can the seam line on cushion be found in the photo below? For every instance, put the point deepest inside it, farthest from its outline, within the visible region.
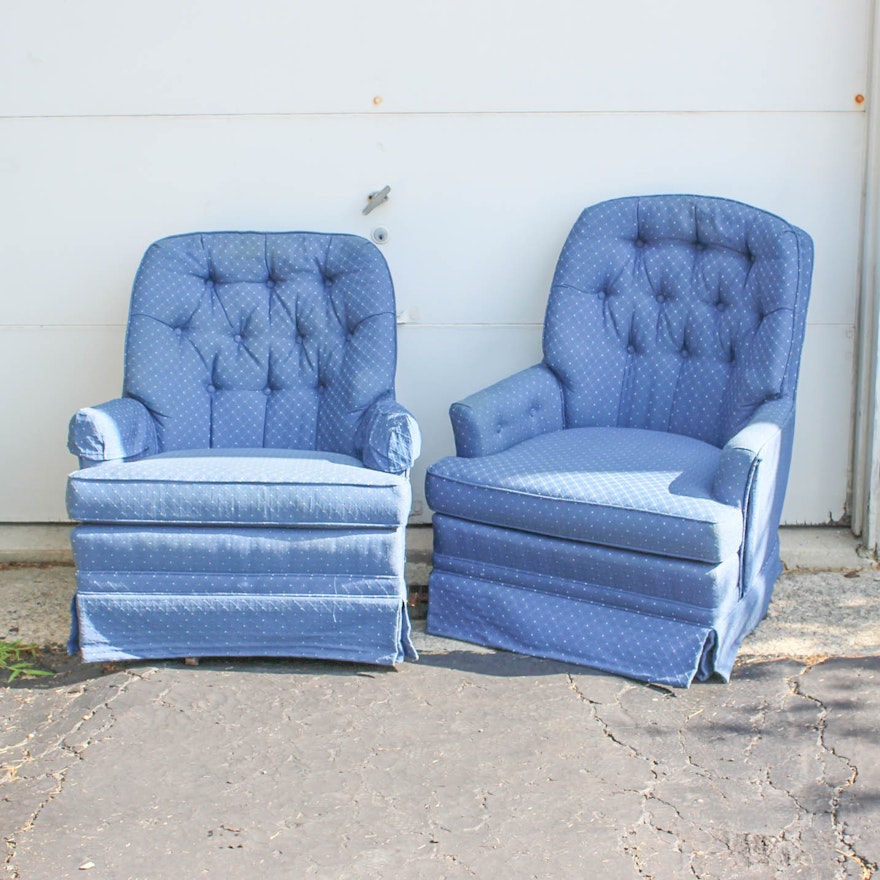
(594, 504)
(314, 524)
(491, 568)
(344, 598)
(586, 601)
(129, 481)
(611, 545)
(125, 572)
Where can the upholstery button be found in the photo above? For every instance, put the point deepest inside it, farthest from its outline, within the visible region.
(237, 337)
(270, 282)
(661, 298)
(631, 349)
(639, 243)
(211, 389)
(601, 294)
(720, 306)
(267, 391)
(685, 353)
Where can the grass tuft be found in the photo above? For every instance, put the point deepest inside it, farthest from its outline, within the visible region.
(18, 660)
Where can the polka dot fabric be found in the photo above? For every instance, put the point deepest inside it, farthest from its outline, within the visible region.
(618, 504)
(622, 487)
(240, 487)
(248, 494)
(246, 339)
(679, 314)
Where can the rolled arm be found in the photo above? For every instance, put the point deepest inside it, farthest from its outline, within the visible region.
(760, 441)
(521, 406)
(118, 430)
(389, 437)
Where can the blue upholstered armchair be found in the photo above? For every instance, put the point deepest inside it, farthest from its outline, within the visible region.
(248, 493)
(618, 504)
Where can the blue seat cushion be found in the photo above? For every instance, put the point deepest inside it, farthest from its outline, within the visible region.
(254, 487)
(635, 489)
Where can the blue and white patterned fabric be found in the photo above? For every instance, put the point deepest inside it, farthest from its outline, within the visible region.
(248, 494)
(618, 504)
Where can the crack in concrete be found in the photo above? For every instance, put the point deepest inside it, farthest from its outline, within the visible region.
(46, 722)
(60, 744)
(845, 847)
(606, 729)
(758, 721)
(629, 842)
(456, 860)
(756, 848)
(160, 700)
(751, 846)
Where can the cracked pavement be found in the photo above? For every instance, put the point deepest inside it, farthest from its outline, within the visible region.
(470, 763)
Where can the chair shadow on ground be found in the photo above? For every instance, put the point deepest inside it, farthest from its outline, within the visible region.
(69, 670)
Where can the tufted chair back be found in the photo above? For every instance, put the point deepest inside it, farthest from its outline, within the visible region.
(260, 339)
(677, 313)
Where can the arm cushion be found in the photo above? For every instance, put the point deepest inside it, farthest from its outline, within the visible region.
(390, 437)
(521, 406)
(120, 429)
(759, 441)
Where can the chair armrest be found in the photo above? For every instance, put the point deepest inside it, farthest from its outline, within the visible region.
(521, 406)
(119, 430)
(752, 476)
(759, 441)
(389, 437)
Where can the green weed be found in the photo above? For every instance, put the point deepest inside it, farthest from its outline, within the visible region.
(18, 660)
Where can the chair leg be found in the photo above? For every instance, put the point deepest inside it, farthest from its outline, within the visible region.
(191, 661)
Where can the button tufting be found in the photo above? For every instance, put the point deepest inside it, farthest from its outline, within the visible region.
(631, 349)
(639, 243)
(270, 282)
(237, 337)
(210, 389)
(720, 306)
(660, 298)
(267, 391)
(685, 353)
(601, 294)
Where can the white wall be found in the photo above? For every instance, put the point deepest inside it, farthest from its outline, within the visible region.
(498, 122)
